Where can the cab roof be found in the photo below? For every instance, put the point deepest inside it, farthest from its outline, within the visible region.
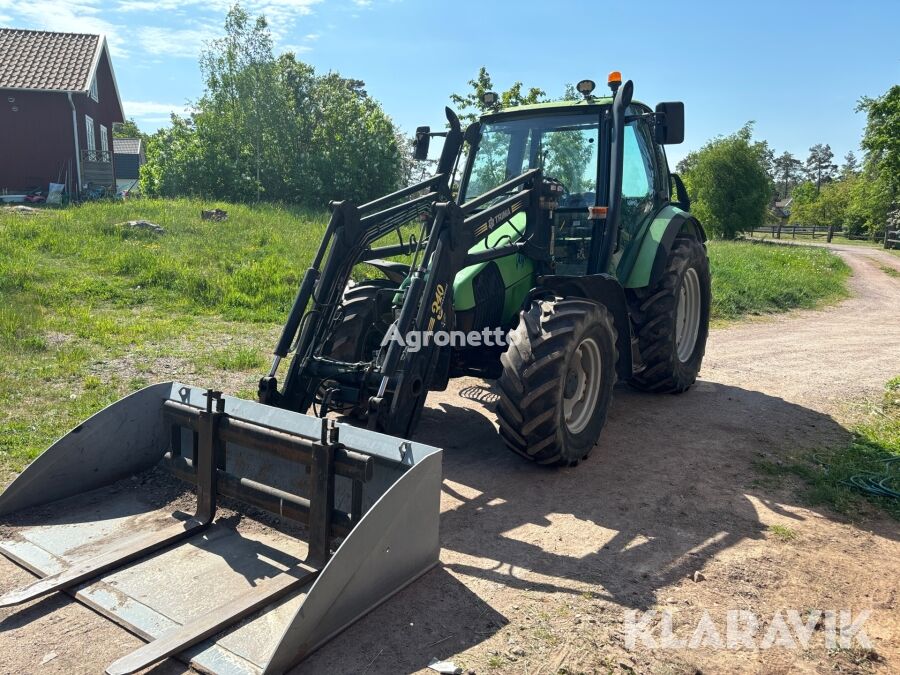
(595, 102)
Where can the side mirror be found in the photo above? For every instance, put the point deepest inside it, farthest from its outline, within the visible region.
(420, 146)
(670, 123)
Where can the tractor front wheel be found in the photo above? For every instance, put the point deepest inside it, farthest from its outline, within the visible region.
(671, 320)
(558, 375)
(365, 319)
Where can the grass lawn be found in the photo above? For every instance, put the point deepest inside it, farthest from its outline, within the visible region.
(752, 277)
(91, 310)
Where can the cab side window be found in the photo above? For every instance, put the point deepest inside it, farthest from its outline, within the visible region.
(638, 177)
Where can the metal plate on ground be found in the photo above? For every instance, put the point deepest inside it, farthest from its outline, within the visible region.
(180, 583)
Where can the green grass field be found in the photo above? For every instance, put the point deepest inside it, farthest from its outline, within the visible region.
(760, 278)
(92, 310)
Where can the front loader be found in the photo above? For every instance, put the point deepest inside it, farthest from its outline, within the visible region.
(560, 263)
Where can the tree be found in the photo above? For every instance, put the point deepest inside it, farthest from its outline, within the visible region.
(766, 158)
(871, 200)
(786, 169)
(729, 189)
(881, 138)
(850, 167)
(820, 167)
(128, 129)
(825, 206)
(174, 161)
(470, 106)
(271, 128)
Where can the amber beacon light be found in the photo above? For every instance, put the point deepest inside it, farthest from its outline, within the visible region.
(614, 80)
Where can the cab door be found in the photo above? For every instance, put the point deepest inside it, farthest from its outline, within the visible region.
(640, 180)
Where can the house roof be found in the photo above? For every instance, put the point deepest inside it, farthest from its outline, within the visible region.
(31, 59)
(127, 146)
(36, 60)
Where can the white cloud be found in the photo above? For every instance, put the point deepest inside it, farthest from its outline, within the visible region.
(75, 16)
(153, 110)
(185, 42)
(297, 49)
(152, 123)
(311, 37)
(220, 7)
(144, 6)
(184, 38)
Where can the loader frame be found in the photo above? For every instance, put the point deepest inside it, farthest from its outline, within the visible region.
(392, 387)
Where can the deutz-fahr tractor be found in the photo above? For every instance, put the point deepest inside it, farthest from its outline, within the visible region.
(566, 232)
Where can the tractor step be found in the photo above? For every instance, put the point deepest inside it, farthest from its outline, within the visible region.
(352, 518)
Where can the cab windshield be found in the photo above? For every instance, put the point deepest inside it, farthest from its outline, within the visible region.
(564, 146)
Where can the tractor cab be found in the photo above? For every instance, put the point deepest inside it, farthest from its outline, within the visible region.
(571, 142)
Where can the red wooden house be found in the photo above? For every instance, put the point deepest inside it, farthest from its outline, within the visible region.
(58, 103)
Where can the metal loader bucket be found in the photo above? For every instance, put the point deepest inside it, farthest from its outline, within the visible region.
(94, 516)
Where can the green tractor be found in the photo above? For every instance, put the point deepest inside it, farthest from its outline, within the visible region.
(560, 265)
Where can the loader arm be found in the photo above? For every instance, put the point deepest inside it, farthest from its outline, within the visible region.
(406, 373)
(348, 238)
(394, 384)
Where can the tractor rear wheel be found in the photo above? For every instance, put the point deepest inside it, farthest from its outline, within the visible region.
(671, 320)
(559, 369)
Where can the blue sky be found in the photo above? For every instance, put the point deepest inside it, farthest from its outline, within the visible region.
(794, 67)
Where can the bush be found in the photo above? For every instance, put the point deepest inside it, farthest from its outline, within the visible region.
(728, 185)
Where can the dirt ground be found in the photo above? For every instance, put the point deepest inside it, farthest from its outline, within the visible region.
(539, 569)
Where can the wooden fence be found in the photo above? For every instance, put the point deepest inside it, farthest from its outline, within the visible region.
(892, 238)
(779, 231)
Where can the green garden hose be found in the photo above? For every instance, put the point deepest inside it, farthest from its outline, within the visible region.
(875, 483)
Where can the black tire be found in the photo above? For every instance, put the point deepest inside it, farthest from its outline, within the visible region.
(654, 313)
(366, 318)
(538, 366)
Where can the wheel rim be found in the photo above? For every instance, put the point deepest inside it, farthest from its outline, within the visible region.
(687, 315)
(582, 386)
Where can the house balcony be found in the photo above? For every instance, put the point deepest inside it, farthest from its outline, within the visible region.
(97, 168)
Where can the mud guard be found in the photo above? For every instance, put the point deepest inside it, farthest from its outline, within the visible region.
(647, 264)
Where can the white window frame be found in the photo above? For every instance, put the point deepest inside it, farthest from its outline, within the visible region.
(104, 144)
(93, 93)
(91, 138)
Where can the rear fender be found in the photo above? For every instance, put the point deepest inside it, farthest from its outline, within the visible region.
(603, 289)
(652, 252)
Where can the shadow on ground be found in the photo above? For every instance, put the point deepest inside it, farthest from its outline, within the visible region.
(671, 485)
